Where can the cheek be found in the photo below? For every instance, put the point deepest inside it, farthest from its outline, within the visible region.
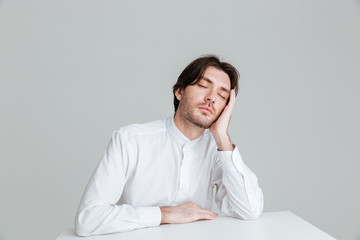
(220, 107)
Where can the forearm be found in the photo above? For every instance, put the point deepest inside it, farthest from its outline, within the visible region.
(238, 193)
(107, 218)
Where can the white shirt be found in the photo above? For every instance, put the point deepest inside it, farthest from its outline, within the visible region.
(146, 166)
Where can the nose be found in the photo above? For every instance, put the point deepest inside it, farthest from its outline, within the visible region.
(210, 97)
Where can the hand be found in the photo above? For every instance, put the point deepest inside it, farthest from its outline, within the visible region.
(185, 213)
(219, 129)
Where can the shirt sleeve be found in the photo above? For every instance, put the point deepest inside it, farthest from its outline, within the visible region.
(237, 191)
(98, 212)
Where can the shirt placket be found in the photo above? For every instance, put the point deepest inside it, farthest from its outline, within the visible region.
(184, 175)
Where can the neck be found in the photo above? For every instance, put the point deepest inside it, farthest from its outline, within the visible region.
(190, 130)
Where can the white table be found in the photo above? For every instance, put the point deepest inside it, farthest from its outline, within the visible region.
(270, 226)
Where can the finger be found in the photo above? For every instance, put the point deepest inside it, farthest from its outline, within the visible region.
(232, 98)
(230, 107)
(206, 216)
(206, 211)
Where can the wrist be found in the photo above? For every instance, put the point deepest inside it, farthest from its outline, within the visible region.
(223, 142)
(163, 211)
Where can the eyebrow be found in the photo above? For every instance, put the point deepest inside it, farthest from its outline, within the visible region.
(208, 80)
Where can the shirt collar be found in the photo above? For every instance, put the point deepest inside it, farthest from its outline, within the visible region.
(176, 134)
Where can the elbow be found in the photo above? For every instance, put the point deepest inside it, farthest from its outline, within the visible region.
(248, 215)
(252, 215)
(249, 212)
(83, 225)
(254, 212)
(82, 230)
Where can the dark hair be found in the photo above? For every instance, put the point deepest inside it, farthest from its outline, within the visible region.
(195, 71)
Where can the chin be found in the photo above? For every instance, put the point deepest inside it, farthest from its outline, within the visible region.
(202, 123)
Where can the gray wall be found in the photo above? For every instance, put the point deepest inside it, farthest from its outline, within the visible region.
(71, 72)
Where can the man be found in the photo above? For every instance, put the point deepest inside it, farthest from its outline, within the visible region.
(165, 171)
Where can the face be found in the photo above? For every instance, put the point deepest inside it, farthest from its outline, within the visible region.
(203, 102)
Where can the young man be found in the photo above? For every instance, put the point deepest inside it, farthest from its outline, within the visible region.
(165, 171)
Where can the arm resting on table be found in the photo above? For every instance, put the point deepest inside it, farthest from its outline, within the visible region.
(237, 191)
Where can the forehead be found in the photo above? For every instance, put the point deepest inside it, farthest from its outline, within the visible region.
(218, 77)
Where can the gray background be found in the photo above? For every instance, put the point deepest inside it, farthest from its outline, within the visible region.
(72, 72)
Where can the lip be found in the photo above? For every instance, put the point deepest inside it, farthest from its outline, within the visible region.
(207, 109)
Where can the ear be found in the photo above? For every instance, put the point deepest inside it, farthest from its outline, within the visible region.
(178, 93)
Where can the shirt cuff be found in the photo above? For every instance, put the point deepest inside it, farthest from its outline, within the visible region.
(150, 216)
(231, 160)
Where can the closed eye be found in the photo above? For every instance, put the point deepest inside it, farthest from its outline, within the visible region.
(201, 85)
(222, 96)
